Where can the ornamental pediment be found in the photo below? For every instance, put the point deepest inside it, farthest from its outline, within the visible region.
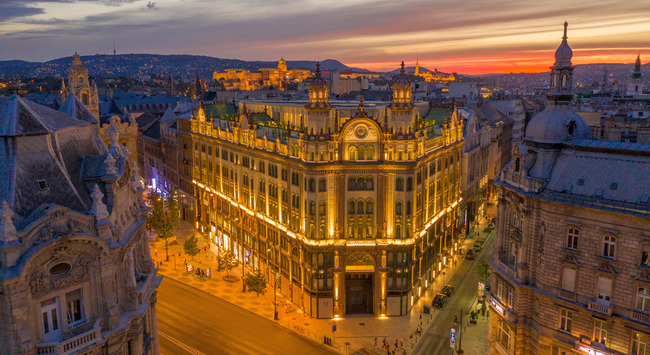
(607, 268)
(361, 132)
(570, 259)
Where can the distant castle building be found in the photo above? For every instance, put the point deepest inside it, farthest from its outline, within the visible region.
(636, 85)
(79, 86)
(242, 79)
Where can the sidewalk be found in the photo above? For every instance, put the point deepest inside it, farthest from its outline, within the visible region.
(353, 332)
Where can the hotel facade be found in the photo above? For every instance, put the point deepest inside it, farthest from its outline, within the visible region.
(353, 209)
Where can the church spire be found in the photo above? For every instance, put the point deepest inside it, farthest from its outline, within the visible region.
(636, 74)
(562, 72)
(417, 66)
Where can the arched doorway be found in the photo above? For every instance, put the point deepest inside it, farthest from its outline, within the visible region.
(359, 283)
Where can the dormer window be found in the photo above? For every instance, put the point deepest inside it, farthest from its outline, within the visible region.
(572, 127)
(42, 185)
(517, 165)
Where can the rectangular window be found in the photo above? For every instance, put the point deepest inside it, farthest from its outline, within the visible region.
(642, 299)
(604, 290)
(565, 319)
(572, 238)
(639, 344)
(600, 331)
(74, 308)
(609, 246)
(503, 334)
(645, 254)
(568, 279)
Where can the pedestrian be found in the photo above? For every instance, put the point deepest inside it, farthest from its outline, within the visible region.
(375, 342)
(396, 343)
(385, 342)
(393, 351)
(179, 254)
(401, 342)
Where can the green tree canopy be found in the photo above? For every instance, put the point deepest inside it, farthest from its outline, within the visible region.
(164, 215)
(227, 262)
(255, 282)
(191, 246)
(483, 270)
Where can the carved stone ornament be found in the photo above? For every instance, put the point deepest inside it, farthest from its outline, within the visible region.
(59, 227)
(360, 258)
(42, 282)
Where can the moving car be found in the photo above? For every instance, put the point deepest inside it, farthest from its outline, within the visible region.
(447, 290)
(439, 301)
(478, 246)
(470, 255)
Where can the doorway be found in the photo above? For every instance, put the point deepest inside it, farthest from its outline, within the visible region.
(358, 293)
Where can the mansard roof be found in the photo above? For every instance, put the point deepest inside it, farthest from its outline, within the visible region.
(41, 154)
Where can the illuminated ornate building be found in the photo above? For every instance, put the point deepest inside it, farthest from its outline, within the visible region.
(81, 99)
(571, 268)
(242, 79)
(433, 76)
(76, 274)
(79, 86)
(356, 213)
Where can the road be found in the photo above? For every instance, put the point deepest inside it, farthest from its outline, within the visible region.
(435, 340)
(191, 321)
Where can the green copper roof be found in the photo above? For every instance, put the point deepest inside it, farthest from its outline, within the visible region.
(436, 116)
(220, 110)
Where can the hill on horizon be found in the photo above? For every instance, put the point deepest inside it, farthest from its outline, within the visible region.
(177, 65)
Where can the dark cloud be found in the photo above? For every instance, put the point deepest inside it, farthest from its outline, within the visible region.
(10, 9)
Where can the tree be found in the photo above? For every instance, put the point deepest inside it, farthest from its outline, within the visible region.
(255, 282)
(164, 216)
(227, 262)
(191, 246)
(483, 271)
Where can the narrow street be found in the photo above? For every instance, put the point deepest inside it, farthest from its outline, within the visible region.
(436, 339)
(191, 321)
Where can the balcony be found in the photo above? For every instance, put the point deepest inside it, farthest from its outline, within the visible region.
(640, 317)
(599, 308)
(74, 344)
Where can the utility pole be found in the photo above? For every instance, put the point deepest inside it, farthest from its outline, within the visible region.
(165, 230)
(460, 337)
(241, 242)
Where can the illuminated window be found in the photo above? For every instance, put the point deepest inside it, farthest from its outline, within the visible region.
(600, 331)
(609, 246)
(640, 344)
(503, 334)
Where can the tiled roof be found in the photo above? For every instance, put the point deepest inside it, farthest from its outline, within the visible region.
(75, 108)
(20, 117)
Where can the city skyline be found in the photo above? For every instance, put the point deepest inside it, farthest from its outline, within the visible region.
(368, 34)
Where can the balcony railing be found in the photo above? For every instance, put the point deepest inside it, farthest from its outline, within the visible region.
(596, 307)
(641, 317)
(74, 344)
(568, 295)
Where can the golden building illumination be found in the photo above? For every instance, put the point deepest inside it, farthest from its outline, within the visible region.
(355, 206)
(242, 79)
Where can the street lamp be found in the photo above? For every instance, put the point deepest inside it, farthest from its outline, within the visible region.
(165, 231)
(275, 296)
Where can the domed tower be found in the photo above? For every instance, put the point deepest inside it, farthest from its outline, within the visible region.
(79, 86)
(636, 84)
(558, 123)
(318, 107)
(282, 65)
(401, 109)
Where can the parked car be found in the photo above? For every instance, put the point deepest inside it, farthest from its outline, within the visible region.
(447, 290)
(478, 246)
(439, 301)
(470, 255)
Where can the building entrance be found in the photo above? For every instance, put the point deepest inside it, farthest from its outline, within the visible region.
(358, 293)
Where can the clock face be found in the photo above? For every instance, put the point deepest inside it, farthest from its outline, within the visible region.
(361, 131)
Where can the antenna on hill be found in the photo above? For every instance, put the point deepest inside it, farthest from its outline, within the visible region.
(114, 51)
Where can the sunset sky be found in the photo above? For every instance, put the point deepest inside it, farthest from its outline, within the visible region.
(470, 36)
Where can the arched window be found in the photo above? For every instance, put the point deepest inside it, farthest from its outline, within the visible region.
(370, 153)
(398, 208)
(312, 231)
(370, 183)
(360, 153)
(360, 232)
(399, 184)
(322, 209)
(352, 184)
(321, 232)
(312, 185)
(407, 231)
(312, 208)
(369, 207)
(408, 208)
(322, 185)
(360, 208)
(361, 183)
(320, 259)
(352, 153)
(398, 231)
(409, 184)
(351, 206)
(517, 163)
(84, 98)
